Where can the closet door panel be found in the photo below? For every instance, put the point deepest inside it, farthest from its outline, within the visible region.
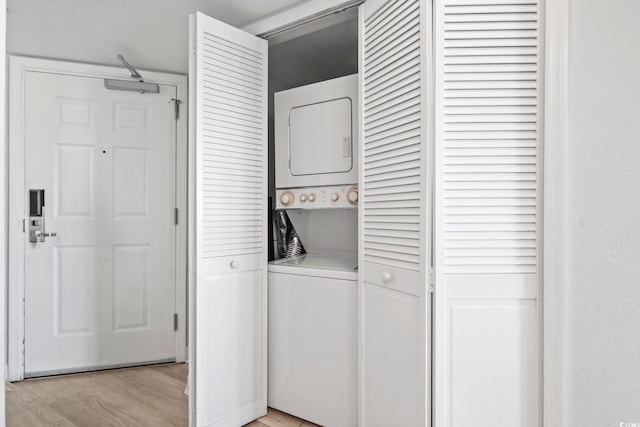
(393, 389)
(228, 303)
(487, 212)
(394, 248)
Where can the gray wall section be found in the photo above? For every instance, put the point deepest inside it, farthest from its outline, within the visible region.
(604, 214)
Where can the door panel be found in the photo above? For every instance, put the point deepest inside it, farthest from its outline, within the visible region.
(394, 232)
(101, 292)
(320, 138)
(391, 345)
(234, 341)
(487, 213)
(229, 240)
(500, 334)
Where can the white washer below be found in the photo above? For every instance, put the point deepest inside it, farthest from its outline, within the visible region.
(313, 339)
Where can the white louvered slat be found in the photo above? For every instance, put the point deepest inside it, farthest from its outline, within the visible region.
(392, 143)
(232, 149)
(489, 118)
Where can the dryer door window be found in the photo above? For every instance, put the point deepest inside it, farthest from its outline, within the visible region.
(320, 138)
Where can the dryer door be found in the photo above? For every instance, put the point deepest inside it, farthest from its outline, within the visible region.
(320, 138)
(316, 134)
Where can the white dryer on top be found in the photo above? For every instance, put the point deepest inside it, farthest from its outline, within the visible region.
(316, 134)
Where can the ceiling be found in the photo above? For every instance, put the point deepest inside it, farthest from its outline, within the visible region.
(151, 34)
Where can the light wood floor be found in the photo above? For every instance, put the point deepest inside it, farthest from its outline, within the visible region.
(146, 396)
(280, 419)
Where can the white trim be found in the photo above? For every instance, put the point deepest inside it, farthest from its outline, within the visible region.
(3, 210)
(18, 65)
(555, 187)
(438, 315)
(293, 15)
(15, 293)
(361, 18)
(427, 100)
(181, 197)
(542, 179)
(193, 64)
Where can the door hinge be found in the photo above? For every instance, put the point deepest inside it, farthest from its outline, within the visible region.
(176, 103)
(175, 321)
(432, 280)
(23, 225)
(175, 216)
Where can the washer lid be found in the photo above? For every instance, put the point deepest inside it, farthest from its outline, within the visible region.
(327, 263)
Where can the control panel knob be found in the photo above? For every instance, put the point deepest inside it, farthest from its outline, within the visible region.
(335, 197)
(286, 198)
(312, 197)
(303, 198)
(352, 195)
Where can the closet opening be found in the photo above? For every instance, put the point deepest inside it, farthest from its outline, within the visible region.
(313, 183)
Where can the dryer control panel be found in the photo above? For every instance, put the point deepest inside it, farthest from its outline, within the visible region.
(343, 196)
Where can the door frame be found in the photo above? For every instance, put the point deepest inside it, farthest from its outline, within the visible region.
(18, 66)
(554, 238)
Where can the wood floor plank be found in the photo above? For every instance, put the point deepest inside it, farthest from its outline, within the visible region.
(135, 396)
(275, 418)
(97, 409)
(163, 393)
(152, 380)
(50, 389)
(178, 371)
(25, 409)
(143, 396)
(130, 408)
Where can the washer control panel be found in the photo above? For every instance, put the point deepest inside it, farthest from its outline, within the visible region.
(343, 196)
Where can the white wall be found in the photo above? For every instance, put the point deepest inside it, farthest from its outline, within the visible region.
(327, 231)
(3, 210)
(604, 213)
(151, 34)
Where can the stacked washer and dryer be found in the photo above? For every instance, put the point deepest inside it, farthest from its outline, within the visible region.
(313, 304)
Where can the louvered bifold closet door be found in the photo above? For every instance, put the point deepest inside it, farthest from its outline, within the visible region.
(393, 213)
(229, 90)
(488, 200)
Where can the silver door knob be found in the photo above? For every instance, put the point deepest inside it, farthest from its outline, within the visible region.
(234, 264)
(386, 277)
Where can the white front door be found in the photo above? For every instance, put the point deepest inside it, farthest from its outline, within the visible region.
(102, 291)
(228, 87)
